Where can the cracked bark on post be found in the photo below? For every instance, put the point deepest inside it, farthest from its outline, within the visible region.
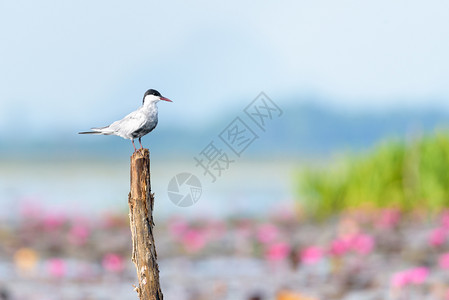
(141, 203)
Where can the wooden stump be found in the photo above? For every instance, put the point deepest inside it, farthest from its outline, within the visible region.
(141, 202)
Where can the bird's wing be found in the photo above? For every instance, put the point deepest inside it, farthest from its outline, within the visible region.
(129, 124)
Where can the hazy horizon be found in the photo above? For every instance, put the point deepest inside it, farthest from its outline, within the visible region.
(63, 69)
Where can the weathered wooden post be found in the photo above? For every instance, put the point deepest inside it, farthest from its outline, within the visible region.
(141, 202)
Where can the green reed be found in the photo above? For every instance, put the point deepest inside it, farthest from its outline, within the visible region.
(405, 175)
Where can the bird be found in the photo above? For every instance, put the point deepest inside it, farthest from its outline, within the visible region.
(136, 124)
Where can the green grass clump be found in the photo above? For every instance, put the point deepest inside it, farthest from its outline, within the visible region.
(404, 175)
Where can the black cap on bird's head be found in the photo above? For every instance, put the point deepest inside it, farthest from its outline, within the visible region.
(154, 93)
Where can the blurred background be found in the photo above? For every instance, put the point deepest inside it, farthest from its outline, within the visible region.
(342, 195)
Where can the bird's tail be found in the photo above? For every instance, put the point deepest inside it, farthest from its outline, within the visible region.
(100, 130)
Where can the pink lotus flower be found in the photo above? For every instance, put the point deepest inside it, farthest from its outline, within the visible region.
(193, 240)
(389, 218)
(79, 234)
(56, 267)
(362, 244)
(311, 255)
(53, 221)
(339, 247)
(113, 263)
(437, 237)
(443, 261)
(267, 233)
(277, 251)
(400, 279)
(416, 275)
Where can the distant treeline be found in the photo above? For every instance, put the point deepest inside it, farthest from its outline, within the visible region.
(305, 129)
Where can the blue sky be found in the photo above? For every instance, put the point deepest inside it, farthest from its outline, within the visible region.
(70, 65)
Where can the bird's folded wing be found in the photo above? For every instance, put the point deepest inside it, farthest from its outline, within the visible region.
(129, 124)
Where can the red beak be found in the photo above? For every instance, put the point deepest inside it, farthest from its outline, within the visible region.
(165, 99)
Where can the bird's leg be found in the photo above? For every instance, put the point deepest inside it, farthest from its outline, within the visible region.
(141, 147)
(134, 145)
